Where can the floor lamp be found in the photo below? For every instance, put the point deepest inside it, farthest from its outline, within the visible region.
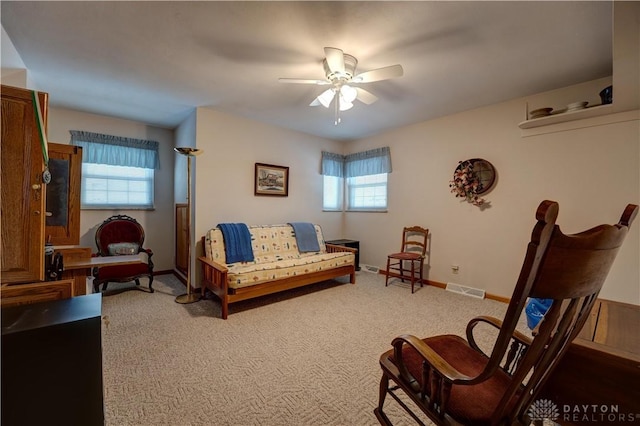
(188, 297)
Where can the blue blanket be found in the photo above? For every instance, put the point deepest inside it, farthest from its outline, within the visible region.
(305, 236)
(237, 242)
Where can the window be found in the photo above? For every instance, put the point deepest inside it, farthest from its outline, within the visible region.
(117, 172)
(110, 187)
(332, 193)
(361, 176)
(367, 192)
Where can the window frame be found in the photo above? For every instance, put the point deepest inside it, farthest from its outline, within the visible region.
(113, 177)
(349, 193)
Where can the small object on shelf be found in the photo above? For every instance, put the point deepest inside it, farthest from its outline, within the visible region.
(540, 112)
(577, 106)
(606, 95)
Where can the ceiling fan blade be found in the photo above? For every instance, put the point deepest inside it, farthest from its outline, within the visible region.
(385, 73)
(303, 81)
(366, 96)
(335, 59)
(316, 102)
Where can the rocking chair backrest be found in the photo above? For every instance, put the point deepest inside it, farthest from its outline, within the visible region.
(570, 270)
(118, 229)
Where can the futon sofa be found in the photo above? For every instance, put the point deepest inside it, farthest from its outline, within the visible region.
(278, 264)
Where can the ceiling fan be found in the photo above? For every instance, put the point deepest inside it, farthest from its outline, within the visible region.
(340, 69)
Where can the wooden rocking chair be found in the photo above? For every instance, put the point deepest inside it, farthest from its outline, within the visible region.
(454, 382)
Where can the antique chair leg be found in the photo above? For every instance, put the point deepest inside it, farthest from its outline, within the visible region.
(413, 274)
(386, 281)
(104, 287)
(96, 287)
(401, 270)
(150, 283)
(380, 415)
(137, 281)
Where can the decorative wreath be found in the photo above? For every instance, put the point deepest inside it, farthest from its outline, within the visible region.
(465, 183)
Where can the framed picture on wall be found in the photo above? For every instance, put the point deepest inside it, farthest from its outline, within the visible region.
(271, 180)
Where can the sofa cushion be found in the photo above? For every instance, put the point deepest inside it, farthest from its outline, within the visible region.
(251, 273)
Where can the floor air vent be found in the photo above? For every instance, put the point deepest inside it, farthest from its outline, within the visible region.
(466, 291)
(370, 268)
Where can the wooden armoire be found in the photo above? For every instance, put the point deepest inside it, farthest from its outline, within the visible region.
(23, 213)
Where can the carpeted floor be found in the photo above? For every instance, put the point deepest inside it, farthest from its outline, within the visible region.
(304, 357)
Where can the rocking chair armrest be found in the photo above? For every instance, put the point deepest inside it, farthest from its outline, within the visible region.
(495, 322)
(431, 357)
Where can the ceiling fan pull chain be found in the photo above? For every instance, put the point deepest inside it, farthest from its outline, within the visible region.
(337, 120)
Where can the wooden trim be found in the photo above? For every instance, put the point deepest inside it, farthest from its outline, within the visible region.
(181, 238)
(23, 294)
(444, 286)
(497, 298)
(164, 272)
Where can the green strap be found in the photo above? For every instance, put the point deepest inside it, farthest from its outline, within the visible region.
(43, 136)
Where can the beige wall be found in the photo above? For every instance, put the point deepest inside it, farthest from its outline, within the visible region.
(592, 172)
(159, 223)
(225, 171)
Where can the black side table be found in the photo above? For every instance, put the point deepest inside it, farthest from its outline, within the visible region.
(52, 363)
(351, 244)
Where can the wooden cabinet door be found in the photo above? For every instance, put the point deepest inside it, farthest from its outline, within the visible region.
(23, 196)
(62, 224)
(182, 253)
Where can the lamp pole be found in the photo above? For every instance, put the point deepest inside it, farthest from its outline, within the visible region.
(189, 153)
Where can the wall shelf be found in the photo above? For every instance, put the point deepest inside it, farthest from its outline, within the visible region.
(595, 111)
(589, 117)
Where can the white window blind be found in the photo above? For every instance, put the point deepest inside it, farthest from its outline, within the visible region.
(367, 192)
(113, 187)
(332, 193)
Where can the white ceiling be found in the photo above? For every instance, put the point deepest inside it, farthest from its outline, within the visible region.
(156, 61)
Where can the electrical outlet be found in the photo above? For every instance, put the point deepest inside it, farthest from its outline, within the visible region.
(455, 269)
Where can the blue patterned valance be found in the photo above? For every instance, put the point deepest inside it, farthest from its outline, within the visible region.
(372, 162)
(332, 164)
(115, 150)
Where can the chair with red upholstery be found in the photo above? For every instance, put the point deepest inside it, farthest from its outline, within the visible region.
(454, 381)
(122, 235)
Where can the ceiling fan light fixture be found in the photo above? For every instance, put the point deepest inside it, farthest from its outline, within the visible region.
(326, 97)
(344, 106)
(348, 93)
(340, 72)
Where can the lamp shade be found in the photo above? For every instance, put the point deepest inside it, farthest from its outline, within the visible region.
(349, 94)
(326, 97)
(187, 150)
